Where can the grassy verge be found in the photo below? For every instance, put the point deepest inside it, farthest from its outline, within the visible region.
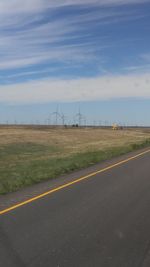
(19, 168)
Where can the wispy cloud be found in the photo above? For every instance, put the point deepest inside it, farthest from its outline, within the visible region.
(138, 69)
(35, 31)
(146, 57)
(91, 89)
(29, 6)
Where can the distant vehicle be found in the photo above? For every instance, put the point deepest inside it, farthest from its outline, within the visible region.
(117, 127)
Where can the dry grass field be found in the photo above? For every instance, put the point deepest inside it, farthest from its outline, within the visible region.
(31, 154)
(71, 140)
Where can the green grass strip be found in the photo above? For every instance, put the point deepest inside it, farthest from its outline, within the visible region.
(25, 173)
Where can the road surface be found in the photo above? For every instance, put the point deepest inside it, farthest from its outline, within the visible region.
(102, 221)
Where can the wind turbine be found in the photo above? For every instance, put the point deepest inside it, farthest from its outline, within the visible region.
(79, 116)
(63, 117)
(57, 115)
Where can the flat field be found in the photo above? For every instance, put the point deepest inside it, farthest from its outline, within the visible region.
(31, 154)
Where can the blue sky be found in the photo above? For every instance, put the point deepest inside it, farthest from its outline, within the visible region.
(69, 53)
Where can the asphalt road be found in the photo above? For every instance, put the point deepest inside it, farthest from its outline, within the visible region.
(103, 221)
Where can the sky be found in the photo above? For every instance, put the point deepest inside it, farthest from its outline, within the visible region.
(71, 55)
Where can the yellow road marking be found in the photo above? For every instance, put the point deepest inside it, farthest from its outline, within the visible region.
(71, 183)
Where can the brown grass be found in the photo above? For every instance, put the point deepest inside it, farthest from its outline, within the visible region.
(68, 141)
(29, 154)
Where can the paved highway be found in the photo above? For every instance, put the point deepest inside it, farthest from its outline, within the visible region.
(102, 221)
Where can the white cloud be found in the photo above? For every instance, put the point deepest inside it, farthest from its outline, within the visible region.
(91, 89)
(7, 6)
(23, 45)
(138, 68)
(146, 57)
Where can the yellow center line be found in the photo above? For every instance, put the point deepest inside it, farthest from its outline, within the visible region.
(71, 183)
